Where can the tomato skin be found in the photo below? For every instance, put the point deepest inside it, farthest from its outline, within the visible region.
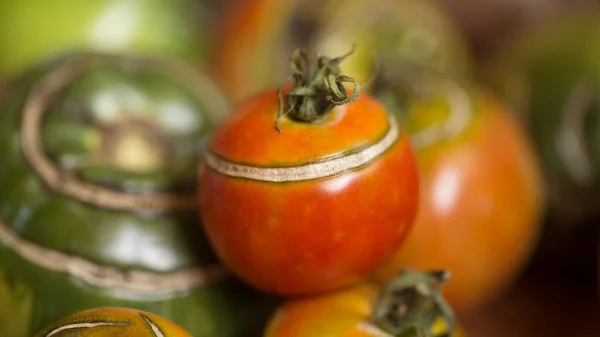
(338, 314)
(480, 209)
(309, 236)
(112, 321)
(335, 314)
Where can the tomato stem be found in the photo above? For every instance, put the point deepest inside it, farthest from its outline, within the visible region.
(410, 304)
(318, 87)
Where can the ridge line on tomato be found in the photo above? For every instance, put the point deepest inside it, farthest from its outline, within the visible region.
(65, 182)
(85, 325)
(461, 112)
(571, 145)
(152, 325)
(113, 321)
(108, 276)
(311, 170)
(318, 86)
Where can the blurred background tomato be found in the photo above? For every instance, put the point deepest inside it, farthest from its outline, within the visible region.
(260, 34)
(481, 199)
(32, 30)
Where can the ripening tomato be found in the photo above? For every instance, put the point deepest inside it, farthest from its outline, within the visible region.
(359, 311)
(318, 205)
(481, 200)
(113, 321)
(255, 34)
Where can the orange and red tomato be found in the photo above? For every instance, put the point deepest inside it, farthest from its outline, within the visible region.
(315, 207)
(344, 313)
(482, 198)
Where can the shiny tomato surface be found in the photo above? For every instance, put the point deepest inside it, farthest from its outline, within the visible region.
(313, 208)
(481, 201)
(113, 321)
(343, 313)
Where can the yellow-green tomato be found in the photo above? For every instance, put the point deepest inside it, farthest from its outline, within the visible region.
(32, 30)
(113, 321)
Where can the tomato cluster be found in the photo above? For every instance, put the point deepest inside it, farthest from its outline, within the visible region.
(480, 186)
(179, 178)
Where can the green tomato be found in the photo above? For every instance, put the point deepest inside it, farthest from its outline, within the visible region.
(98, 198)
(31, 30)
(551, 78)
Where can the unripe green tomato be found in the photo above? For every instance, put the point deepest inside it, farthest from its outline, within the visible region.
(113, 321)
(31, 30)
(551, 79)
(98, 204)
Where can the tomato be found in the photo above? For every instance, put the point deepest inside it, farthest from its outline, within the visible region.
(98, 204)
(482, 197)
(550, 77)
(320, 204)
(113, 321)
(255, 34)
(362, 311)
(33, 30)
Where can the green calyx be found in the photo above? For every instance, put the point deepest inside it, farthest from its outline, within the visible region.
(409, 305)
(318, 87)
